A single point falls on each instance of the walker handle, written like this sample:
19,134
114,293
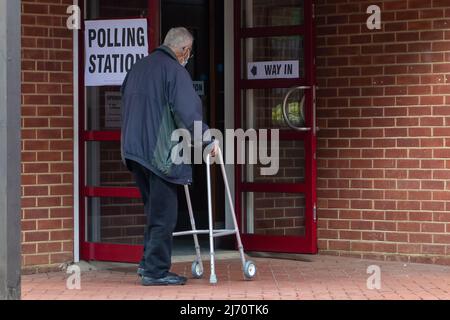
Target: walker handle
211,146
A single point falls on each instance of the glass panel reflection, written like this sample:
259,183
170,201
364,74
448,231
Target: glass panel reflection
107,9
291,165
105,167
116,221
263,108
270,13
277,214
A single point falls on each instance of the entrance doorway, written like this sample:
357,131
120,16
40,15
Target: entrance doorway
205,23
111,211
276,214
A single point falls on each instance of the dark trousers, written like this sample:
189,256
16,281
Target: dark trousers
161,207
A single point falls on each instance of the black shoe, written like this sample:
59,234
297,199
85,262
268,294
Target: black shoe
169,280
141,271
176,275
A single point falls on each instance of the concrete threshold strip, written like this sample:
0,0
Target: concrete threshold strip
132,267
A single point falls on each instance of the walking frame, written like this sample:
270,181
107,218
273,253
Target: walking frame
249,267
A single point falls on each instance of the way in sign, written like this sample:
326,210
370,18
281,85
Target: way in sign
276,69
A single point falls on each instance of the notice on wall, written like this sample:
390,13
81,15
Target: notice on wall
112,48
113,110
273,70
199,87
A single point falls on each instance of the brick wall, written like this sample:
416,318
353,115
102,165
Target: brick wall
384,156
384,144
47,134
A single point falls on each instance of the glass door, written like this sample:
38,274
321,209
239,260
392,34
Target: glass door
111,212
275,89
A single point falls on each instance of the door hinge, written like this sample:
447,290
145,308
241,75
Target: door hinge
315,213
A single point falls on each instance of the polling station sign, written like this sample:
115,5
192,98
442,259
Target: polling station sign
112,48
199,87
273,70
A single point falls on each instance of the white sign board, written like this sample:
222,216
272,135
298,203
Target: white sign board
273,70
199,87
113,110
112,48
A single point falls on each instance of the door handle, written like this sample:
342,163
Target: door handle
285,111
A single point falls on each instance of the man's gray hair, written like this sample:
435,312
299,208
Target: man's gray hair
178,38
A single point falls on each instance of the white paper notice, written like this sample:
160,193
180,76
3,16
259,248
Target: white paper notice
273,70
113,110
112,48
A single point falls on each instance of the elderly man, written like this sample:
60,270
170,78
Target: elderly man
158,97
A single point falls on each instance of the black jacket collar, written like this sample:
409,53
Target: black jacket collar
167,51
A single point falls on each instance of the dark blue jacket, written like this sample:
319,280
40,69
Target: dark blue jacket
158,97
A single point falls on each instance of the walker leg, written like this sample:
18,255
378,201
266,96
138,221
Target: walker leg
194,228
230,201
213,278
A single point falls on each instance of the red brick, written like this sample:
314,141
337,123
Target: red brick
35,191
385,247
420,238
397,237
350,235
49,202
28,248
49,224
36,236
339,245
28,225
433,227
409,248
385,226
56,258
61,212
361,246
61,235
35,260
61,190
49,247
361,225
441,238
409,226
433,249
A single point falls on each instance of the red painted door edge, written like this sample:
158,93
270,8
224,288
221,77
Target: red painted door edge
100,251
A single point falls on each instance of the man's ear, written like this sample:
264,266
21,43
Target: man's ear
179,56
185,52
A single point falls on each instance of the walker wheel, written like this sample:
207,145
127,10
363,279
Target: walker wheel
250,270
197,270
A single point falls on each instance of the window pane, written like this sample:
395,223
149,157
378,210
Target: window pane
106,9
104,107
105,167
273,49
263,108
279,214
291,166
115,220
269,13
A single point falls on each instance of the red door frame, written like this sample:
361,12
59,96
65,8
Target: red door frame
101,251
287,244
